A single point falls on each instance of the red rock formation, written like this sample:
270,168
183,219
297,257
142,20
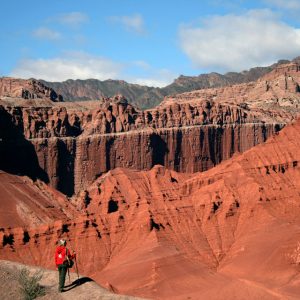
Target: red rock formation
117,116
29,204
80,145
160,234
26,89
73,144
186,150
276,94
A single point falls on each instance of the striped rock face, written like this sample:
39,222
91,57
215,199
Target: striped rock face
161,204
160,234
72,144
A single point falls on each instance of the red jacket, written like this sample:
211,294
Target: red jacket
61,253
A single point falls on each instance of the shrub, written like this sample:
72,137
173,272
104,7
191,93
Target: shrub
29,285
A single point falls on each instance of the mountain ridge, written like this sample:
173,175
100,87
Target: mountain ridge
148,97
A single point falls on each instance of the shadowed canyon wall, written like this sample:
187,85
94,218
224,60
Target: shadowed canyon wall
235,225
226,233
69,145
69,148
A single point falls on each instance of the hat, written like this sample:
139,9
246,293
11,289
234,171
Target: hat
62,242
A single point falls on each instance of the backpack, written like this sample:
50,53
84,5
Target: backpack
69,263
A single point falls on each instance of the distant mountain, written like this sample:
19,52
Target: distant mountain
147,97
93,89
190,83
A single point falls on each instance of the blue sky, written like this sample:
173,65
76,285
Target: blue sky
145,42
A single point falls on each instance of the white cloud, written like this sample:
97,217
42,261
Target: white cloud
79,65
72,19
46,34
155,78
134,23
70,66
153,82
142,64
237,42
285,4
145,74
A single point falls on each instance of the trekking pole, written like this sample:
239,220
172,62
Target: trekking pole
76,266
69,275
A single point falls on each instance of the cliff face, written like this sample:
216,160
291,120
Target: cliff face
232,230
184,150
70,148
116,116
70,145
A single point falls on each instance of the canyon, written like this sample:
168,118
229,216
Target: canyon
197,198
69,145
232,230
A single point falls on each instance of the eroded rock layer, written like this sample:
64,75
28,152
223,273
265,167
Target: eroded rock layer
159,234
275,94
26,89
70,145
69,149
27,204
184,150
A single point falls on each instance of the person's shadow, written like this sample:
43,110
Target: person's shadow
76,283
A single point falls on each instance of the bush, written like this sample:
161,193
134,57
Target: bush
29,285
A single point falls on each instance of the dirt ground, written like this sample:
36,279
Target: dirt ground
83,288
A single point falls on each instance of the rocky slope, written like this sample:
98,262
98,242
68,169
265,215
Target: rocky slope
213,80
230,232
93,89
148,97
275,93
26,89
25,203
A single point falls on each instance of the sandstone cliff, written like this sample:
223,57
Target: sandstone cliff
232,230
69,145
70,148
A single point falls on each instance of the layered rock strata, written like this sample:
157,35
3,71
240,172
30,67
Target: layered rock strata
71,148
159,234
26,89
25,203
73,144
276,93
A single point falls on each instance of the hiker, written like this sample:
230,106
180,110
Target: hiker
63,261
